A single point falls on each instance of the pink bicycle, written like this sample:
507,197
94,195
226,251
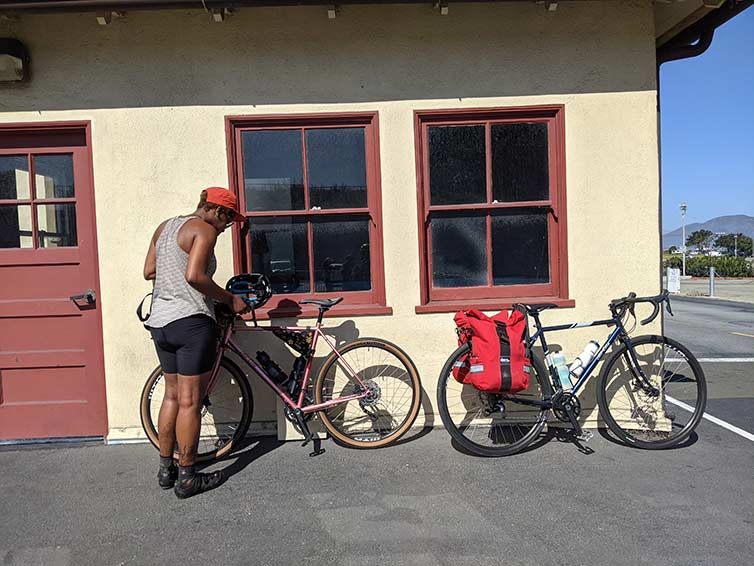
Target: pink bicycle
367,392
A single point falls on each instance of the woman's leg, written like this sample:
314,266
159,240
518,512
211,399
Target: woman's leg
167,473
195,360
168,414
188,420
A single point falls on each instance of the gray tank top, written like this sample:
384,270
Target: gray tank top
173,298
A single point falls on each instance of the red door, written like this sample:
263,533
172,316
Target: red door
51,362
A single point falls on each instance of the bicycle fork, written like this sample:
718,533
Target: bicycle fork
633,363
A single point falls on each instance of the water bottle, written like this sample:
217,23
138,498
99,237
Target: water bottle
296,374
272,369
583,359
558,362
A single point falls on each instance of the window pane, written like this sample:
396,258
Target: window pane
56,225
272,170
457,165
336,167
53,176
279,250
14,177
520,162
459,251
520,248
15,226
341,254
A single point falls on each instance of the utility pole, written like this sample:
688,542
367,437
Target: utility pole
683,231
735,243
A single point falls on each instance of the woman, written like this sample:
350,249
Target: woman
181,261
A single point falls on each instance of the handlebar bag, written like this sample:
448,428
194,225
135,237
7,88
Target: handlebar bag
498,361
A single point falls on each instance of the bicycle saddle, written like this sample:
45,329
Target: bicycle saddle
322,303
539,307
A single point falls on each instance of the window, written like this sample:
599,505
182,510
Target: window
491,207
310,189
37,201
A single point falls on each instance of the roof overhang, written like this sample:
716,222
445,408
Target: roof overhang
672,17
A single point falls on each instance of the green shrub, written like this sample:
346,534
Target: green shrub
698,266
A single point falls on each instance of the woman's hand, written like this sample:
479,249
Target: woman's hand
239,306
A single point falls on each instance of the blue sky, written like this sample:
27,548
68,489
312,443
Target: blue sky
707,120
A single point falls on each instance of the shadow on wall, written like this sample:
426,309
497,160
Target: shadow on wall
369,53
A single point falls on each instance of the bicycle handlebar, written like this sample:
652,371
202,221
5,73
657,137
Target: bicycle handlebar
619,306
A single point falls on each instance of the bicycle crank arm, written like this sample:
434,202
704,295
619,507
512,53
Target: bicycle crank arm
303,427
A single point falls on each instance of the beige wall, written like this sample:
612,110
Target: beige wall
157,86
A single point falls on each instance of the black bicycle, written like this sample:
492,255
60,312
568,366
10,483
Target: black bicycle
651,391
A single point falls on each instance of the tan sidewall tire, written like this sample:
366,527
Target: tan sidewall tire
150,428
401,355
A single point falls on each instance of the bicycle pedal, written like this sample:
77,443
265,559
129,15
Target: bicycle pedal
585,436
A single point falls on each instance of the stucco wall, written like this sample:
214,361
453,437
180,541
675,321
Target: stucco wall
157,86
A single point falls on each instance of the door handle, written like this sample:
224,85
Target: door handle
89,296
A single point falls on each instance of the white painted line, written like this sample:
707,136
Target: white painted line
722,423
718,360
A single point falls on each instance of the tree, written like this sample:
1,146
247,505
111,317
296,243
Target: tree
728,241
700,238
673,250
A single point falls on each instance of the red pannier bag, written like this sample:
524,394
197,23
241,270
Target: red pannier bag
498,361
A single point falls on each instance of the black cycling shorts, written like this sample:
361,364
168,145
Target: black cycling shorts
187,346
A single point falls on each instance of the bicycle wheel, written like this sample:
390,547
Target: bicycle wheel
489,424
225,417
636,416
392,405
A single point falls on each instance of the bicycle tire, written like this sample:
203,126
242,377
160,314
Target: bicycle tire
149,411
372,437
647,430
466,435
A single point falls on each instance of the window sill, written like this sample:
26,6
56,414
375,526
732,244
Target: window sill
338,311
487,304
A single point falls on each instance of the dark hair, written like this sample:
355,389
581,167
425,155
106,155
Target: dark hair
223,211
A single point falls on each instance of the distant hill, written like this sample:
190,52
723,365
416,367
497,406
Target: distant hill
722,224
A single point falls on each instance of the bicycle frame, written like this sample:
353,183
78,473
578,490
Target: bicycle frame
618,334
228,344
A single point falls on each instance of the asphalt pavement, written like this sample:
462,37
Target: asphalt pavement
422,502
721,335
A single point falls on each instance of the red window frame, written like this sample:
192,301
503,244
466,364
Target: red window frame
369,302
436,299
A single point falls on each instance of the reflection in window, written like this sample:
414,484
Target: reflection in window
336,167
15,226
56,225
273,170
519,248
459,253
279,250
53,176
320,169
341,255
14,177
